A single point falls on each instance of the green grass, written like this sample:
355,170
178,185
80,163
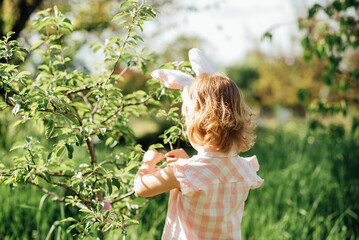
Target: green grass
26,213
311,191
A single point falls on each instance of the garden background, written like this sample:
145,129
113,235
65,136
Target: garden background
302,81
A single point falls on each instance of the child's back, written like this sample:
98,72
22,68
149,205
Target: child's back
210,204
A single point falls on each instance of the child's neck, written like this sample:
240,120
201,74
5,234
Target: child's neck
211,148
208,148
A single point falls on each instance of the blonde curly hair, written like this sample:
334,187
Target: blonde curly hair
216,114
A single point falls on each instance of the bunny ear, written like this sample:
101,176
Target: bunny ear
172,78
200,63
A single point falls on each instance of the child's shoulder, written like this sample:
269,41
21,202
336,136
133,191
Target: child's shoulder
216,169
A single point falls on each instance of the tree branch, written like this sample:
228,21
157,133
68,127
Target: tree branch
51,194
123,197
59,174
85,201
55,198
114,67
126,105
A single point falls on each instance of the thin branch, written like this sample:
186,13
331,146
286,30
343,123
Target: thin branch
5,174
91,150
112,115
85,99
62,113
126,105
77,115
140,102
32,156
59,174
85,201
92,113
105,162
55,198
93,109
123,197
51,194
68,93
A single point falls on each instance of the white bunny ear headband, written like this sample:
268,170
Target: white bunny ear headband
176,79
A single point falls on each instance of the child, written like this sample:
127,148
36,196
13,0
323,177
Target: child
207,191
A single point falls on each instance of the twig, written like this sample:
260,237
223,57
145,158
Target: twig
105,162
126,105
92,113
53,196
85,99
86,202
123,197
68,93
59,174
93,109
32,156
91,150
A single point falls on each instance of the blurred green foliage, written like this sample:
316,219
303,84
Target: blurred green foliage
331,34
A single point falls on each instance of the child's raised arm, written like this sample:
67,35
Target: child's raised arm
148,181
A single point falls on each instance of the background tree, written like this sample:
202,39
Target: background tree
331,34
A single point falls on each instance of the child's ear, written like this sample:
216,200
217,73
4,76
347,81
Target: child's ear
174,79
200,64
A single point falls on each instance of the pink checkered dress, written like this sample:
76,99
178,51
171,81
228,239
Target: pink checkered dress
210,204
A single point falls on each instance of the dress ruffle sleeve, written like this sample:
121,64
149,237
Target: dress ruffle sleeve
180,169
254,180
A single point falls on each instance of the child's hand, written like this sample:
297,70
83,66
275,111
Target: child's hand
152,157
174,155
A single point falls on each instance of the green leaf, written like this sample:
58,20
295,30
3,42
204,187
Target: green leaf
126,4
24,73
49,128
16,147
69,219
109,186
19,55
85,210
79,139
155,146
62,89
36,180
68,230
16,109
313,10
72,119
267,35
116,183
36,45
70,150
105,215
47,175
120,15
60,151
10,68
